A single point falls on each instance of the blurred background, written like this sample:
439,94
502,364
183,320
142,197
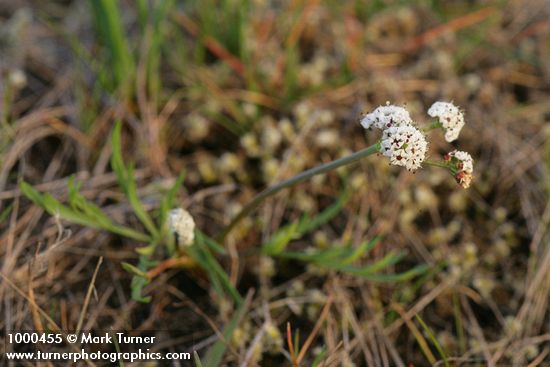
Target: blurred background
243,94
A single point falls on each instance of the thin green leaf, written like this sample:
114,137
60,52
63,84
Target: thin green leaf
434,340
281,239
117,164
390,259
167,201
297,342
146,250
130,233
223,277
198,362
319,257
400,277
95,214
210,242
133,270
126,180
215,354
199,256
110,28
73,190
31,193
360,251
143,11
139,280
319,358
6,212
90,210
74,215
323,217
136,204
160,14
54,207
137,285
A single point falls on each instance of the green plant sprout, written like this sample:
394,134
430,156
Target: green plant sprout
83,212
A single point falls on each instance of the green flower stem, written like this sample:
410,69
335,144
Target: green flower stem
441,164
295,180
434,125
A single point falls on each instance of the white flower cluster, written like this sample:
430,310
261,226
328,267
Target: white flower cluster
181,223
450,117
464,167
387,116
405,146
403,143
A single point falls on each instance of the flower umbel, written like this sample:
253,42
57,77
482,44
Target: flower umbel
450,118
181,223
462,167
405,146
401,141
384,117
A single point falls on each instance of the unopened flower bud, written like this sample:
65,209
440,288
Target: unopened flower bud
181,223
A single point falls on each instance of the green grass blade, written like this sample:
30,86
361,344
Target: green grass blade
74,215
215,354
434,340
326,215
390,259
167,201
361,250
136,204
215,270
81,204
198,362
126,180
160,16
139,280
6,212
133,270
111,31
130,233
325,257
117,164
400,277
198,255
280,240
54,207
296,342
213,245
143,11
31,193
319,358
137,285
223,277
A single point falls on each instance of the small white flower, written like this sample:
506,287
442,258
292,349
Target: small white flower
384,117
464,158
464,167
181,223
450,118
405,146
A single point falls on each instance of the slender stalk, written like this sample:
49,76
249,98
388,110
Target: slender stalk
257,200
434,125
441,164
